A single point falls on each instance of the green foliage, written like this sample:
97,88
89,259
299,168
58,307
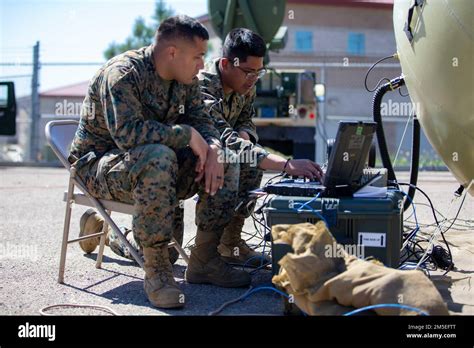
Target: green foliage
142,34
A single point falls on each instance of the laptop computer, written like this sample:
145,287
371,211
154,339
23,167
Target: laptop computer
347,159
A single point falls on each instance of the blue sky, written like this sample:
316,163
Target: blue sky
70,31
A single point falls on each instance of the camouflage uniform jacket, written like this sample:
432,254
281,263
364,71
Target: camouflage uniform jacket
128,104
230,115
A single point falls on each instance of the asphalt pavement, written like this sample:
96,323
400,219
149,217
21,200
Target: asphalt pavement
31,223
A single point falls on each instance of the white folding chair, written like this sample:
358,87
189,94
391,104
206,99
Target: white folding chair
59,135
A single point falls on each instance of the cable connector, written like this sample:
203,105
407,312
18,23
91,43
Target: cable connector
397,82
459,191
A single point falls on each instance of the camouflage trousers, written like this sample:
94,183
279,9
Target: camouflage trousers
154,178
249,179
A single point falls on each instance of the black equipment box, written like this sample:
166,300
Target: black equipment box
373,225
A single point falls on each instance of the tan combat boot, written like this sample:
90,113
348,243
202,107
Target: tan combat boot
90,223
159,283
233,249
206,267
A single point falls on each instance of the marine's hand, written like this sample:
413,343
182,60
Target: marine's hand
306,168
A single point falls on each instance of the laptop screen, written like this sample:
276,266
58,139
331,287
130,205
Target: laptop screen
349,155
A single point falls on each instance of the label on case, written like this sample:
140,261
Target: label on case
372,239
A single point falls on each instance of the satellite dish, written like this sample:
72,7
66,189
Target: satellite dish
262,17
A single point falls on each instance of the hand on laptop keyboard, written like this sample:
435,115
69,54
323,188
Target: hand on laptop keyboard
305,168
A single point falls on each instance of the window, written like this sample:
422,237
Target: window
356,44
304,41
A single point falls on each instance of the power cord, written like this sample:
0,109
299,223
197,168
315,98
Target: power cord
395,55
43,310
450,256
249,292
387,305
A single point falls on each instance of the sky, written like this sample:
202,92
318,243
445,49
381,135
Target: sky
69,31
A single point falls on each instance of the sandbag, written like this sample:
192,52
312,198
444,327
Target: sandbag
324,281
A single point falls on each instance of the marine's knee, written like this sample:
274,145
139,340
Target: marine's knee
158,156
154,163
231,176
250,175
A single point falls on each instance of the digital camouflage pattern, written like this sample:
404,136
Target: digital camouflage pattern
237,110
128,104
131,146
231,115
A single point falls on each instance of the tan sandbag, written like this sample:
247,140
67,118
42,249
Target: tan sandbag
365,283
307,268
335,283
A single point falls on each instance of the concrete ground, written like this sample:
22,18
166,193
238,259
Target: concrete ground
31,221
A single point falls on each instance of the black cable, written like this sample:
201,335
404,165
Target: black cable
426,196
274,177
457,214
415,161
438,256
403,95
467,226
393,84
371,68
411,251
437,223
383,148
255,220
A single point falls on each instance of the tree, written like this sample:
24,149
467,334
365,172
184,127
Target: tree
142,34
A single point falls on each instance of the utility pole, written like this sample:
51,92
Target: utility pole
35,105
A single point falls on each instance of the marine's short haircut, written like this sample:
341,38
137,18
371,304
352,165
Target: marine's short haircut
241,43
180,26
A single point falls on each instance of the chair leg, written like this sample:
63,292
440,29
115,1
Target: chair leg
180,250
102,242
67,223
114,227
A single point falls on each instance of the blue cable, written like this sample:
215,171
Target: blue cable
254,290
300,209
310,201
382,305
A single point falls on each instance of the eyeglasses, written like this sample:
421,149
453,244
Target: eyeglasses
251,75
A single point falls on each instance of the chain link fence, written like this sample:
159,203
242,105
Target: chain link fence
345,99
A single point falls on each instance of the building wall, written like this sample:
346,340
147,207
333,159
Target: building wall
333,31
61,105
50,108
330,27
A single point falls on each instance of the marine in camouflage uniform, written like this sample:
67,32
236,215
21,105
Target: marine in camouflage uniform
232,114
132,146
229,87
